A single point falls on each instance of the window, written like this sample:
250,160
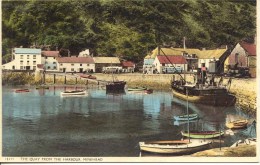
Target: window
28,56
34,56
54,62
87,64
21,62
21,67
163,64
72,64
49,67
54,67
80,64
27,62
72,69
34,62
45,57
54,58
60,64
34,67
236,58
21,56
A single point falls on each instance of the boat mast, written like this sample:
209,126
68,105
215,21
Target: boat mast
159,49
188,114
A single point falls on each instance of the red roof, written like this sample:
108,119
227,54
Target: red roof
250,48
51,53
128,64
172,59
75,60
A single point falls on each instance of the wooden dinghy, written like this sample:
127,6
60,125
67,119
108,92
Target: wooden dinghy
174,147
137,89
203,134
148,91
74,93
88,76
238,124
21,90
186,117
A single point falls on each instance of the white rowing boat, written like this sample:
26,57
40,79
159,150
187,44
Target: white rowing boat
73,93
175,146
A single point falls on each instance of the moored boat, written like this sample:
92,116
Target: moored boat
174,147
186,117
209,95
88,76
137,89
238,124
204,90
202,134
148,91
115,86
21,90
73,93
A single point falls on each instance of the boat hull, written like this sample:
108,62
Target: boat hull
208,99
185,117
71,94
203,135
137,89
174,149
21,90
237,124
116,86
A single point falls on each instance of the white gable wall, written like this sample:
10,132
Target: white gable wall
24,62
75,67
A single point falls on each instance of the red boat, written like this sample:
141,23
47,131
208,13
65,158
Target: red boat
87,76
21,90
148,91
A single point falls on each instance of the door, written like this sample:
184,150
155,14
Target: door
80,70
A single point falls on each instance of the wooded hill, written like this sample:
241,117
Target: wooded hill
123,28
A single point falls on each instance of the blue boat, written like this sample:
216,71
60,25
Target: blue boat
185,117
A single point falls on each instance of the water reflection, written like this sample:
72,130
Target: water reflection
41,123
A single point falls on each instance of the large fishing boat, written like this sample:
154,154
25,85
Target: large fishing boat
209,93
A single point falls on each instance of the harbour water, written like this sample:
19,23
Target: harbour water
41,123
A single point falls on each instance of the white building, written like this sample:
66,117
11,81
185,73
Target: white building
169,64
102,62
50,60
24,59
76,64
84,53
207,56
